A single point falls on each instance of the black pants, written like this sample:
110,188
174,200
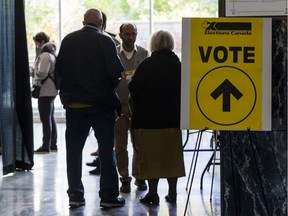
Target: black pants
78,124
46,112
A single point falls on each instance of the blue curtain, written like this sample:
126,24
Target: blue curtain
16,120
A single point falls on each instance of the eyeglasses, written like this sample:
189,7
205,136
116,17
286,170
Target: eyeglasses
128,34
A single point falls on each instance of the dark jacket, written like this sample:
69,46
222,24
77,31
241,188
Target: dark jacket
89,68
155,92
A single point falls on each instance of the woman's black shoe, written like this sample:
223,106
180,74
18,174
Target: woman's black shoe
171,198
152,199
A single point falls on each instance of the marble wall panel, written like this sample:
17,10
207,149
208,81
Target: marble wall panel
254,164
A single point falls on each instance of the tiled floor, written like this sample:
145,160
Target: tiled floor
42,191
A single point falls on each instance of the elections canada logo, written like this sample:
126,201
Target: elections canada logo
227,28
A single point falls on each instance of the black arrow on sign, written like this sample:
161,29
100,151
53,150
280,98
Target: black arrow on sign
227,89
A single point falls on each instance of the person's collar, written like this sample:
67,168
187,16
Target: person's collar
122,49
90,26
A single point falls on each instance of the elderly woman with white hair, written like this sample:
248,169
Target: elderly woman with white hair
155,93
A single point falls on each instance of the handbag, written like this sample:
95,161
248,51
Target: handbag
35,91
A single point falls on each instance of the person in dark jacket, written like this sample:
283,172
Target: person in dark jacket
155,93
95,163
90,69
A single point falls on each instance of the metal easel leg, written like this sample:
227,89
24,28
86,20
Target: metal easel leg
193,157
205,169
187,138
197,145
214,162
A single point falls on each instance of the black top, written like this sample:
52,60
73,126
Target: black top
89,68
155,91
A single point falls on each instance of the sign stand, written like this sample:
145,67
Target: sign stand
196,149
187,139
213,157
193,165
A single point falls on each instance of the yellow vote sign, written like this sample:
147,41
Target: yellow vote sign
226,73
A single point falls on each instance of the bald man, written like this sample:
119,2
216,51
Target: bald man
90,70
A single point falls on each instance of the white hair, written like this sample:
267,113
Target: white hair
162,39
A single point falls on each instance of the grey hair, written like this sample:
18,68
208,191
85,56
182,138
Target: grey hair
162,39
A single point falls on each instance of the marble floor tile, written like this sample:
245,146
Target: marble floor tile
42,191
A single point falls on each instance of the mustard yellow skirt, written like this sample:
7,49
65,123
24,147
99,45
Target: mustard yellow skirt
160,153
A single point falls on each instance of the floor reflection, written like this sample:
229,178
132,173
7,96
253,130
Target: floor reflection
42,191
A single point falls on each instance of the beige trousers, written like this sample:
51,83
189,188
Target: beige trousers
122,129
